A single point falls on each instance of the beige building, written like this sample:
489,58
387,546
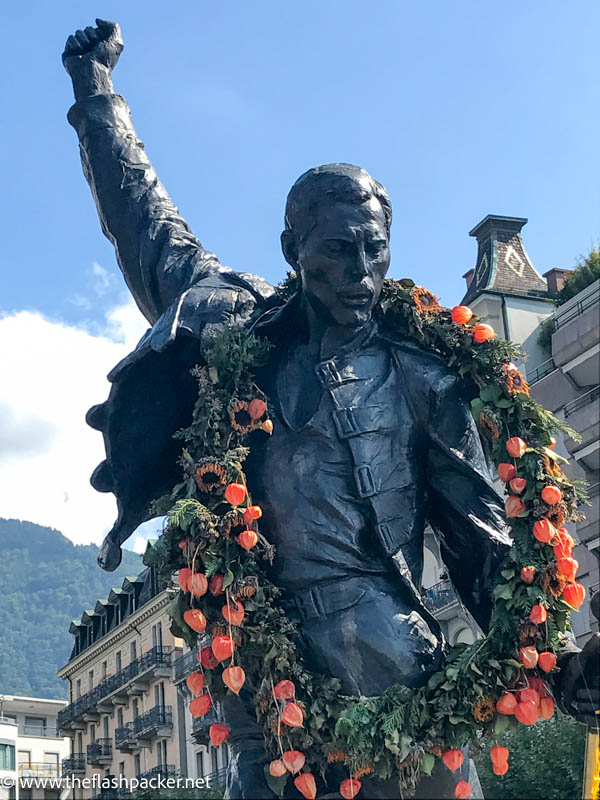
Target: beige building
126,716
31,747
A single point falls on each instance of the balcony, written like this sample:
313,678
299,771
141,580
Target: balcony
200,726
156,722
73,765
216,780
550,386
38,769
440,598
184,665
587,529
164,771
575,336
49,731
125,738
99,752
133,679
583,414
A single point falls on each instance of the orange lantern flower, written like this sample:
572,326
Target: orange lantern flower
461,314
528,656
527,713
499,756
207,658
516,446
293,716
506,704
529,696
528,574
538,614
462,790
568,566
546,707
195,683
234,678
218,733
233,615
223,647
215,584
182,545
267,426
183,579
453,759
514,506
256,408
277,768
200,705
235,493
518,485
551,495
565,545
247,539
294,760
251,513
350,788
547,661
483,333
306,785
538,684
506,471
284,690
195,619
574,595
544,531
198,584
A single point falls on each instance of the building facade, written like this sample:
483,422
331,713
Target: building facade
31,746
126,715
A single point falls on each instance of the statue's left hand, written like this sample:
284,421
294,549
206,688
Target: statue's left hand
579,684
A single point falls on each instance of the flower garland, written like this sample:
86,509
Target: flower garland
227,605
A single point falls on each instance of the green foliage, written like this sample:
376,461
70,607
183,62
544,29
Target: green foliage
586,272
544,337
46,582
546,762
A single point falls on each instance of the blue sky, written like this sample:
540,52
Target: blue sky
460,108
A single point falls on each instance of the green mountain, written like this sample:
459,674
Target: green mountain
45,582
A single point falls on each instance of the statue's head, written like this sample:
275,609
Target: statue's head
336,237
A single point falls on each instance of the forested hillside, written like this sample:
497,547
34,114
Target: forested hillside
45,581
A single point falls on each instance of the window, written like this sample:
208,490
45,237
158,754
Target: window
9,717
118,666
51,763
80,742
7,756
133,651
121,768
159,694
35,726
135,707
214,759
157,635
137,767
78,689
92,733
120,723
105,723
200,773
90,680
161,750
24,758
104,670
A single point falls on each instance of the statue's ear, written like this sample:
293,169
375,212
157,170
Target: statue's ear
290,248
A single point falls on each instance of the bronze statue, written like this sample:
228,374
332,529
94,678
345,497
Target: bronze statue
373,437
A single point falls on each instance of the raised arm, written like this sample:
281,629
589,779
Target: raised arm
159,256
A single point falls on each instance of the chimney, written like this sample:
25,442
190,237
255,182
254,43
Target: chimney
468,276
556,279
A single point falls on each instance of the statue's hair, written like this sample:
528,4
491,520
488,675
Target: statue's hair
329,184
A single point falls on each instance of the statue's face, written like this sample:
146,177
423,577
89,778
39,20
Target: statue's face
344,259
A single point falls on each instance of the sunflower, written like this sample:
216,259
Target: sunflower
336,757
484,710
556,514
232,523
553,581
528,633
425,301
360,773
515,382
241,421
489,424
210,475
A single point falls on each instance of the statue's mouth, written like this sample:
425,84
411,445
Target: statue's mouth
355,298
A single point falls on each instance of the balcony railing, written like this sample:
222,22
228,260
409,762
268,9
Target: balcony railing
440,596
125,736
163,771
38,769
75,763
580,402
38,730
156,657
185,664
545,368
157,717
99,750
215,780
560,320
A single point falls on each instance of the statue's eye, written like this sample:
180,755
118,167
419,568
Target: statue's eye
335,247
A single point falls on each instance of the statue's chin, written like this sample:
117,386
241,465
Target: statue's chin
109,556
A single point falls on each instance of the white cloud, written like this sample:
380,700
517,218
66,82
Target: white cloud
51,373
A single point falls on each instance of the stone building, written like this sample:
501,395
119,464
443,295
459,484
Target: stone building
505,289
126,715
31,746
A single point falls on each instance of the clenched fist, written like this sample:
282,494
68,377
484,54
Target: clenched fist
91,55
